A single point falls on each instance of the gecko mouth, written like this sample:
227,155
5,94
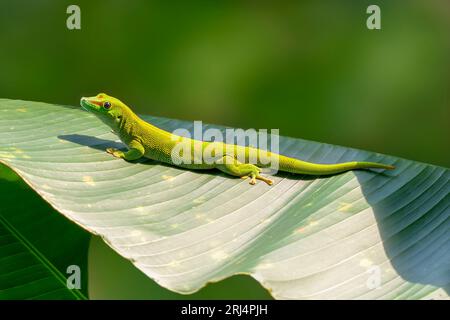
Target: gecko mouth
87,105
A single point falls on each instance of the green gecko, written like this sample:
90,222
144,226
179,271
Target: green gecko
146,140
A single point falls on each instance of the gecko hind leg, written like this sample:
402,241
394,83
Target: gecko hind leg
233,167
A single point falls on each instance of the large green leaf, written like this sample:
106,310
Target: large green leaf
106,274
304,237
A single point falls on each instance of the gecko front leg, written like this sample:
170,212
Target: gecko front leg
136,151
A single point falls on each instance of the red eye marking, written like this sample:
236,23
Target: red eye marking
99,103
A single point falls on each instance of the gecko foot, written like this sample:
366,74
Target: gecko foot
266,180
258,177
116,153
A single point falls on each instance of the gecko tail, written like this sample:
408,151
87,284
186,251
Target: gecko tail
302,167
373,165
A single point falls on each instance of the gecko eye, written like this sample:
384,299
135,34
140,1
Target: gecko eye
107,105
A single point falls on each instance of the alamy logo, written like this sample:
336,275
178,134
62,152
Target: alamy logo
374,20
74,279
73,21
374,279
223,147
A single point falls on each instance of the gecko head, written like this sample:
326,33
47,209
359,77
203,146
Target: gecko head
109,109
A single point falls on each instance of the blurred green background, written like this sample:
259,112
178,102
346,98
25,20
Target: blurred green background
310,68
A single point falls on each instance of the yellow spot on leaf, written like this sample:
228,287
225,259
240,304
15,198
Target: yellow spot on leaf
16,150
142,211
135,233
174,263
300,230
214,243
266,265
303,229
365,262
174,225
199,200
186,287
219,255
89,180
7,155
344,206
46,186
21,110
267,220
13,152
168,178
200,216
